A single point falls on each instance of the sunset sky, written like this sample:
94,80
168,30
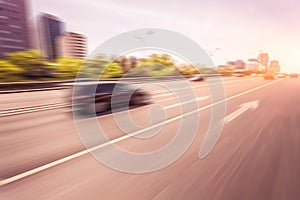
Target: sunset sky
239,28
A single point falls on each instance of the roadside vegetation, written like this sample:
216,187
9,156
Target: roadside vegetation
31,66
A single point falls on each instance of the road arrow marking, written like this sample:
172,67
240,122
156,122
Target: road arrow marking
253,105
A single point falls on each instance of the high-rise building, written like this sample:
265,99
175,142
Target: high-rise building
254,65
263,58
274,66
49,27
72,44
13,26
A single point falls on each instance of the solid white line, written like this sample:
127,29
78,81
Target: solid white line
31,110
173,98
162,95
187,102
205,84
84,152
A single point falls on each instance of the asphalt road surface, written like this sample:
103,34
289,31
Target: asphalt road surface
256,156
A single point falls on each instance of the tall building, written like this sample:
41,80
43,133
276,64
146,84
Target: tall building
254,65
274,66
13,26
263,58
72,44
49,27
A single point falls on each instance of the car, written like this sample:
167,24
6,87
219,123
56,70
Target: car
281,75
294,75
90,98
269,76
238,75
197,77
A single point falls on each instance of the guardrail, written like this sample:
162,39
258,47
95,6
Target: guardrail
17,87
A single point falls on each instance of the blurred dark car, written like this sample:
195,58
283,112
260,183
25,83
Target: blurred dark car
108,95
294,75
269,76
197,77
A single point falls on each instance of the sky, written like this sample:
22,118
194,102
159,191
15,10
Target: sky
239,29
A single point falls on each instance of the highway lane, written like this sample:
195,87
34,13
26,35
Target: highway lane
35,139
48,97
189,178
29,99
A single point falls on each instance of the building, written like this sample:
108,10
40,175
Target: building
72,44
263,58
274,66
238,64
254,65
13,26
49,28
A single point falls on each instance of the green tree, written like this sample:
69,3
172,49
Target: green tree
30,60
95,67
154,65
163,59
112,70
67,67
10,72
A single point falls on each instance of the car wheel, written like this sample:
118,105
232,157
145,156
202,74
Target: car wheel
99,107
138,100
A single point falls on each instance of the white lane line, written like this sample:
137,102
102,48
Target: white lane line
84,152
168,99
204,84
19,111
163,95
187,102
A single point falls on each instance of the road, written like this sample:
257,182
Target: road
256,157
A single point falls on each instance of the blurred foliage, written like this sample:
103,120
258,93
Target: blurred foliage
112,70
66,67
154,65
226,71
9,72
31,66
95,67
30,60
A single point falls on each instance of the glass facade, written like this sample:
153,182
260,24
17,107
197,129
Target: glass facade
50,28
13,26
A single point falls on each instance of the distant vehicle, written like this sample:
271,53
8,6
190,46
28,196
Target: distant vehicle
294,75
238,75
269,76
118,94
197,77
281,75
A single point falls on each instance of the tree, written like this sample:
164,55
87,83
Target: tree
154,65
10,72
67,67
95,67
30,60
112,70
